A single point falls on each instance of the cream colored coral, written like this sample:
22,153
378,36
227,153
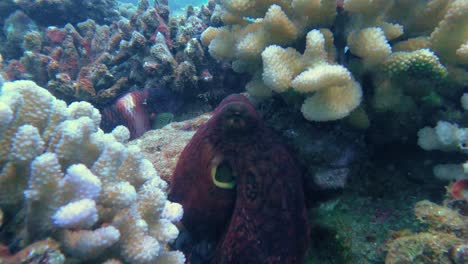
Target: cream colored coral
252,45
332,103
392,31
209,34
311,13
321,77
245,39
171,257
451,33
412,44
422,16
365,7
370,44
275,28
279,26
223,45
267,29
462,53
238,6
307,8
315,48
336,93
280,66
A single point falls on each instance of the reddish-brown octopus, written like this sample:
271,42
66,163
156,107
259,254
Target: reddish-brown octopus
240,186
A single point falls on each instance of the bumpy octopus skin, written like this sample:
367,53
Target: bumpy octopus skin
263,218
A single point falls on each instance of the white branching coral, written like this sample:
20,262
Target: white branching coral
110,200
446,136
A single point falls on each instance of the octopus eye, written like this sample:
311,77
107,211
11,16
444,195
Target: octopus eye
223,176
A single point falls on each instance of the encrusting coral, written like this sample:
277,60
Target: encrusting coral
444,242
75,183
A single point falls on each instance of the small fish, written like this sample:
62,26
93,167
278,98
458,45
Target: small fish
130,111
162,120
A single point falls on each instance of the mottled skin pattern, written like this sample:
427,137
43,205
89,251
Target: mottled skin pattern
261,220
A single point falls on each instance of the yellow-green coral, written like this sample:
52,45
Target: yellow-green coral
448,230
422,248
422,63
79,184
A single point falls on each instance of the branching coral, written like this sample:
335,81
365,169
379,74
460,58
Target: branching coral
79,184
86,60
258,46
450,36
449,137
336,93
261,37
446,136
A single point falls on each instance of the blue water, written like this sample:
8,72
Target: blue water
174,5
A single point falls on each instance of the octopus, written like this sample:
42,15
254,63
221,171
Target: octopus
241,187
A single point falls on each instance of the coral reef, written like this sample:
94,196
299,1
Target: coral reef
381,70
398,56
141,49
262,219
444,242
325,51
257,46
79,185
92,62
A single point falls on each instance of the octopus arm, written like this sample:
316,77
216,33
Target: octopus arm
269,222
